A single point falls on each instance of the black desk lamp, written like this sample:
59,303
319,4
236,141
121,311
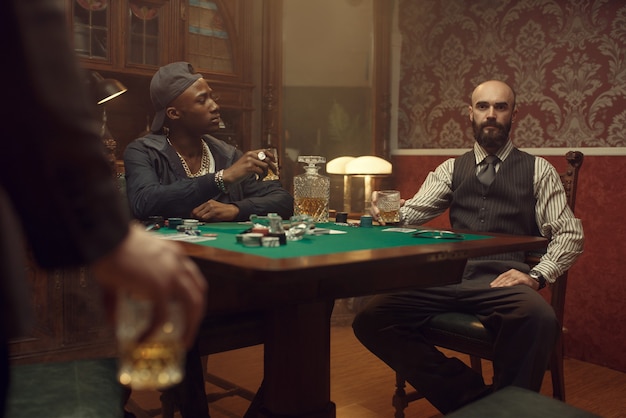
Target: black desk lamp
105,89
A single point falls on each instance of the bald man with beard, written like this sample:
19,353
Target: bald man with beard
493,188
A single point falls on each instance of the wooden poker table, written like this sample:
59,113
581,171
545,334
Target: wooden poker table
296,284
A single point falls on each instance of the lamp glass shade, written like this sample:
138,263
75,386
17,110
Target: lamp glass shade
338,165
368,165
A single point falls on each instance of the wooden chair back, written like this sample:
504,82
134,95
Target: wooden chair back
570,182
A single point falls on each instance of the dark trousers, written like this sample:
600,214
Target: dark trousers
523,323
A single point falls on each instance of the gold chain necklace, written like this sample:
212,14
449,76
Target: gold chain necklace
204,164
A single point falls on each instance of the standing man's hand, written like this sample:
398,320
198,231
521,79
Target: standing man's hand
158,270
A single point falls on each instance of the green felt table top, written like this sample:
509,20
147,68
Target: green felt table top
350,238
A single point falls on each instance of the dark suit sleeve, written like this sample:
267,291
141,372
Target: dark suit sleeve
53,165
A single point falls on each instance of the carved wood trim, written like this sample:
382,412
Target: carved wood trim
272,75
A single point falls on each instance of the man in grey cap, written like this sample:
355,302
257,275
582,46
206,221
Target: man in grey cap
179,170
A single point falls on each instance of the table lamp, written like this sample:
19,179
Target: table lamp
368,166
105,89
338,166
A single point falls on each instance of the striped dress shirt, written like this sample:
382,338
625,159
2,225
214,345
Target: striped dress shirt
554,218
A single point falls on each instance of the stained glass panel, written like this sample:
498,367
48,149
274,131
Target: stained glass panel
209,41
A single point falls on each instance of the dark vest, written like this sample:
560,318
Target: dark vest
506,206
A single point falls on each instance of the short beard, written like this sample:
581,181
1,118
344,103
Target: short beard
491,139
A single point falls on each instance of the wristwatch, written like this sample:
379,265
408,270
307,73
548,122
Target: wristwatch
538,277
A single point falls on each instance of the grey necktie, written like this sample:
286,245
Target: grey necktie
488,172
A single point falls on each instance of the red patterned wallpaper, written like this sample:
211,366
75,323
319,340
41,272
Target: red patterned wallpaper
566,59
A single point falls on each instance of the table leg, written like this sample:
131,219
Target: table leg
297,362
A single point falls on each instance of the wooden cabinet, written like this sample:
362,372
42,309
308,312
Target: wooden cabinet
131,39
140,35
128,40
69,320
133,36
216,39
